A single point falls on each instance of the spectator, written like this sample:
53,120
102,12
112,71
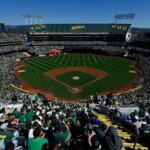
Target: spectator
95,144
60,136
7,136
31,130
29,115
136,122
14,98
111,140
38,142
16,113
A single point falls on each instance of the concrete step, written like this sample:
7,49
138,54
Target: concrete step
127,141
138,146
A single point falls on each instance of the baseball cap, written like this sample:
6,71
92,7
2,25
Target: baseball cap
136,117
35,124
66,120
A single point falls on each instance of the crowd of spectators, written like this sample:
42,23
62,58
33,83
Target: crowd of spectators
8,63
139,37
56,125
11,48
111,49
10,37
11,42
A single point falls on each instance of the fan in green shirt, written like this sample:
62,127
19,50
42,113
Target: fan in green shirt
29,116
22,118
16,113
36,98
38,142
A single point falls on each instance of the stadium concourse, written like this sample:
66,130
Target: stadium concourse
69,125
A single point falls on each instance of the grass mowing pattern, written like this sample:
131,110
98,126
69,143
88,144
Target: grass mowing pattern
117,68
83,78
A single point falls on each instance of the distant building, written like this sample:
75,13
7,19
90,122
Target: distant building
2,27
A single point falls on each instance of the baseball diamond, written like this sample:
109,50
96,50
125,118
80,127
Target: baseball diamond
76,76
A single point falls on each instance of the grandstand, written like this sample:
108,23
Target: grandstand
71,37
138,39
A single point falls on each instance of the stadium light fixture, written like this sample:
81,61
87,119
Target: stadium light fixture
32,17
41,18
124,16
25,17
38,19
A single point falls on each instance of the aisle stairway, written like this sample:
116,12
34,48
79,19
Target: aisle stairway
128,143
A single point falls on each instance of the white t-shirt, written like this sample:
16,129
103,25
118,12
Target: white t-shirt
30,134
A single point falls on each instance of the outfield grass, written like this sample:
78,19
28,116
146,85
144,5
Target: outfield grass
117,68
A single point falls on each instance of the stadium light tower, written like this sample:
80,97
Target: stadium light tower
36,19
128,16
25,17
41,18
30,17
33,18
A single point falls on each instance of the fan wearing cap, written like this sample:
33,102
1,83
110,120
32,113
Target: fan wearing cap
137,122
7,136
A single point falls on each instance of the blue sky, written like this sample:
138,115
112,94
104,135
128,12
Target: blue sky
75,11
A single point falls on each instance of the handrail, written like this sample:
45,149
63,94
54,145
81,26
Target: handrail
133,134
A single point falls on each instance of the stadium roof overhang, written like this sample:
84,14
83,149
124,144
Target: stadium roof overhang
49,34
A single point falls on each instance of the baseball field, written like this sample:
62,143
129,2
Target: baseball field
76,76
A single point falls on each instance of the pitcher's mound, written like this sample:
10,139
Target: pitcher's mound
75,78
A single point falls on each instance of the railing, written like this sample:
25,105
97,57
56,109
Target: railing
135,135
106,111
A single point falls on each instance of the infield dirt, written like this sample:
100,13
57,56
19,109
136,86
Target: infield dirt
53,73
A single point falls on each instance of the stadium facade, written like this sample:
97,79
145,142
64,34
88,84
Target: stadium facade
71,37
